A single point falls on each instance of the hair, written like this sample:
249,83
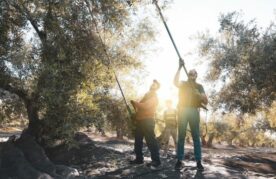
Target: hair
192,71
156,82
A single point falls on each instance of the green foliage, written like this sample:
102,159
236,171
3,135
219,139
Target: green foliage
11,108
271,116
242,130
63,73
244,58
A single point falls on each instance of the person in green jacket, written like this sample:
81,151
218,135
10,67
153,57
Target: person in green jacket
191,98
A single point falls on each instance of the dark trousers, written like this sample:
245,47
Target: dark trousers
145,128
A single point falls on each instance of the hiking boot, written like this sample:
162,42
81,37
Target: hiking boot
154,165
179,165
136,162
199,166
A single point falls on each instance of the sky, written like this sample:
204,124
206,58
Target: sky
185,19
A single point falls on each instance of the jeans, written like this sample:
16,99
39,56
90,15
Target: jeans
145,128
188,115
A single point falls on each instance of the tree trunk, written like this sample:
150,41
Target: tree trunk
119,133
29,101
210,140
203,140
34,127
230,141
24,158
253,144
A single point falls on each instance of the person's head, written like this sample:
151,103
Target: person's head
168,103
192,75
155,85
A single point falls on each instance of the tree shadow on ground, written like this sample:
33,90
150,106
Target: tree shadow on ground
104,159
253,163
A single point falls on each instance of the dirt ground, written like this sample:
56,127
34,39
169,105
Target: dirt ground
105,157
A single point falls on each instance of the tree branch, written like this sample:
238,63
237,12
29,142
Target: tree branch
5,84
23,10
40,33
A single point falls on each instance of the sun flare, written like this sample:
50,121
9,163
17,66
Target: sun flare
168,93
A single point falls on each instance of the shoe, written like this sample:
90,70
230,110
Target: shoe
199,166
154,165
136,162
179,165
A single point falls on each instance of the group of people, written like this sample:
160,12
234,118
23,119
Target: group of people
191,98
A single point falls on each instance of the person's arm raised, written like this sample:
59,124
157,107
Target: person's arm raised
176,77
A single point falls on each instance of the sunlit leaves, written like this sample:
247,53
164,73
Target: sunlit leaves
243,58
65,70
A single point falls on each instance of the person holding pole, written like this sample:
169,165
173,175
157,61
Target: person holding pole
191,98
145,113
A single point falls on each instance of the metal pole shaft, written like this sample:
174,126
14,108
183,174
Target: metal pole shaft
170,35
128,108
106,54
